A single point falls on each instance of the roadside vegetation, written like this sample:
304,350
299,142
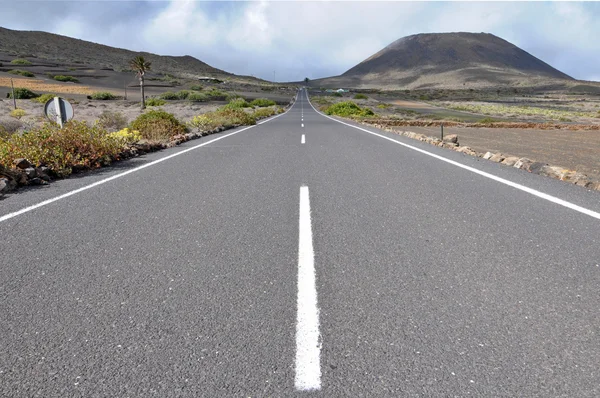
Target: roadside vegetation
155,102
103,96
76,145
348,109
262,102
20,61
156,125
238,112
112,120
63,78
205,96
23,93
18,113
21,73
80,146
42,99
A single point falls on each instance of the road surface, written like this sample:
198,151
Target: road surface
301,257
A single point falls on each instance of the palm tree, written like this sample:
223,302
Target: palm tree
140,66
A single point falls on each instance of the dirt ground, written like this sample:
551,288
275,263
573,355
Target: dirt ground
575,150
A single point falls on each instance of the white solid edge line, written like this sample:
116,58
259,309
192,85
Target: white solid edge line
66,195
308,344
531,191
303,139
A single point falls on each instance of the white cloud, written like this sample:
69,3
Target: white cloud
181,23
315,39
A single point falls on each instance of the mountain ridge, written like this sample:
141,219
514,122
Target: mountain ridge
429,60
68,50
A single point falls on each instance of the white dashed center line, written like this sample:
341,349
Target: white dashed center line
303,140
308,344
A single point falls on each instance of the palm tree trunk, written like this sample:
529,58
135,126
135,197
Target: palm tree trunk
142,91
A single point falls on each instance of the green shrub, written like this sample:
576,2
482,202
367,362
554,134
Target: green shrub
112,120
155,102
360,96
21,72
20,61
18,113
348,108
158,125
183,94
424,97
169,95
23,93
262,102
103,96
218,95
223,117
196,87
487,120
337,94
383,106
237,103
62,78
42,99
266,112
198,97
76,145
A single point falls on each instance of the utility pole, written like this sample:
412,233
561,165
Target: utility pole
273,76
13,93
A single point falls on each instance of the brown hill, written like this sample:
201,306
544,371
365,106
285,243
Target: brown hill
67,51
448,60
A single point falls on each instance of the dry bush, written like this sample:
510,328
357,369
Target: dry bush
9,126
112,120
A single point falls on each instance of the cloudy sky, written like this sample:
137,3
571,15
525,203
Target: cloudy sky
290,40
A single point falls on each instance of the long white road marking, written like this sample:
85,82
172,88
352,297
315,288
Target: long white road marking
302,124
71,193
523,188
303,140
308,344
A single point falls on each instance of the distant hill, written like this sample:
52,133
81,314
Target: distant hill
69,51
452,60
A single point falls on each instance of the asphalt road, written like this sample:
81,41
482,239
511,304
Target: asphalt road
181,278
